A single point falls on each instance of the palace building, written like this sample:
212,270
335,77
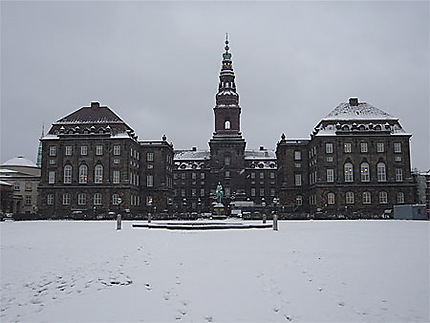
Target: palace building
356,161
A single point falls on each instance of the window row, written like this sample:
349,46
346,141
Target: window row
363,147
365,173
366,198
83,150
98,175
84,198
183,175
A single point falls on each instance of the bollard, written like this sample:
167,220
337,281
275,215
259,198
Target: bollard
275,222
118,222
149,217
264,218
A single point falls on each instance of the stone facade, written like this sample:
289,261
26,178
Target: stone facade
356,162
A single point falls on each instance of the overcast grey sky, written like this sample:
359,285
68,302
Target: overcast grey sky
156,64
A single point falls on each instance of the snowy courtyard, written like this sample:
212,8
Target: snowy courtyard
313,271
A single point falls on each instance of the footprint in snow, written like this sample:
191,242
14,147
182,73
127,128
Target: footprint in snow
148,286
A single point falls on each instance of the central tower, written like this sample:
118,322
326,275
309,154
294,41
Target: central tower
227,146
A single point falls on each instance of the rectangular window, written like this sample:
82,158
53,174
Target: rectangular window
272,192
397,147
51,177
261,191
367,198
297,155
193,175
16,186
116,150
330,175
116,161
50,199
149,180
400,198
227,161
330,198
66,199
299,200
253,191
399,175
252,175
28,186
193,192
98,199
349,198
116,176
380,147
202,175
272,175
82,199
261,175
329,159
84,150
68,151
183,176
150,157
227,174
329,148
363,147
202,192
347,147
183,192
298,179
99,150
28,200
52,151
383,197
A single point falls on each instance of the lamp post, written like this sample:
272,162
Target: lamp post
263,204
275,214
184,203
199,206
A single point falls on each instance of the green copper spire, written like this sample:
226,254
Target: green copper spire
226,55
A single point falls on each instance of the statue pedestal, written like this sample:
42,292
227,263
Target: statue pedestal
219,209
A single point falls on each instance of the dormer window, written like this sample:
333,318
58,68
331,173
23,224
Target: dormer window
227,125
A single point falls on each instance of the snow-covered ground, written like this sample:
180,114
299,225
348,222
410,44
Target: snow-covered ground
333,271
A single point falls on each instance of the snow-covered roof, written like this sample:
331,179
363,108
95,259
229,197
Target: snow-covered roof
260,154
5,183
359,111
19,161
192,155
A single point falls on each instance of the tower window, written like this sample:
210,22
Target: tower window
227,125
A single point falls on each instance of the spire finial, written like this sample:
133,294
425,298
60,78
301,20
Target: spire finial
226,55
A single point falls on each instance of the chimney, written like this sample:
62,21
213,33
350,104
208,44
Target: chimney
261,147
353,101
194,148
95,105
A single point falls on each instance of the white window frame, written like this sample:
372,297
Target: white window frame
149,180
331,198
380,147
397,147
400,198
383,197
150,156
348,172
97,199
399,175
347,147
365,172
381,172
51,177
99,150
98,174
52,151
67,172
50,199
82,199
116,177
68,150
349,198
298,179
84,150
297,155
115,199
330,175
117,150
66,198
367,198
83,174
329,148
299,200
363,147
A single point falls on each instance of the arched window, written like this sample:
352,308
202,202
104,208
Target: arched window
349,172
367,198
83,174
115,199
67,174
98,174
349,198
98,199
383,197
330,198
381,172
227,125
365,172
